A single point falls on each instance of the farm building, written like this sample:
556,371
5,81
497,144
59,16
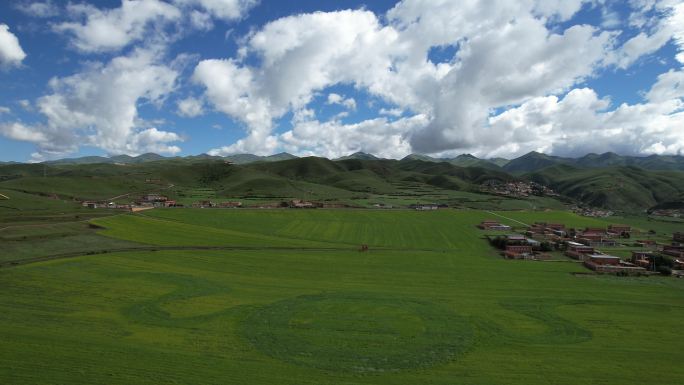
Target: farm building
645,259
620,230
595,240
594,230
493,225
515,246
226,205
610,264
518,251
678,238
603,259
426,206
650,243
4,197
674,250
578,251
204,204
155,198
92,205
524,252
301,204
515,239
547,230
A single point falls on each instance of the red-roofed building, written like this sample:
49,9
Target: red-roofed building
518,251
610,264
578,251
620,229
493,225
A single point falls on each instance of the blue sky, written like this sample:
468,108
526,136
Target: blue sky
183,77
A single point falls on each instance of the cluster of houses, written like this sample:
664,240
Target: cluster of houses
592,212
146,201
674,213
582,244
301,204
521,247
427,206
590,236
605,263
676,249
516,189
156,200
207,204
102,205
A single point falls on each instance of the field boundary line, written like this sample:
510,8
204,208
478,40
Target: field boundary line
152,248
59,223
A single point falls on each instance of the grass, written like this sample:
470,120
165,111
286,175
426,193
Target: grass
430,303
25,242
371,333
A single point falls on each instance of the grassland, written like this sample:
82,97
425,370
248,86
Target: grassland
429,303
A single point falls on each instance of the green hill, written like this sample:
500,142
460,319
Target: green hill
620,188
535,161
532,161
411,179
358,155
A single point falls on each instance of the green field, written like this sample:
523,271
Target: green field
287,298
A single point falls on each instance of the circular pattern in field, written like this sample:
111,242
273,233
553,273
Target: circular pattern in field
358,332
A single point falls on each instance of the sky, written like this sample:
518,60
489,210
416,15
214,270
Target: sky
494,78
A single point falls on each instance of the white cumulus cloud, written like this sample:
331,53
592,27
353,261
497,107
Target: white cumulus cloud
99,107
333,139
190,107
226,10
42,9
11,53
348,103
97,30
581,122
506,55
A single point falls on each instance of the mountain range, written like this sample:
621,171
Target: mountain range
530,162
607,180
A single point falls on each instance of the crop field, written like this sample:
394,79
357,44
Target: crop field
286,297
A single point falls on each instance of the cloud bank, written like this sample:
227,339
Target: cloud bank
492,78
506,57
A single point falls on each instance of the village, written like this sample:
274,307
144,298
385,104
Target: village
673,213
156,200
517,189
591,212
540,241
